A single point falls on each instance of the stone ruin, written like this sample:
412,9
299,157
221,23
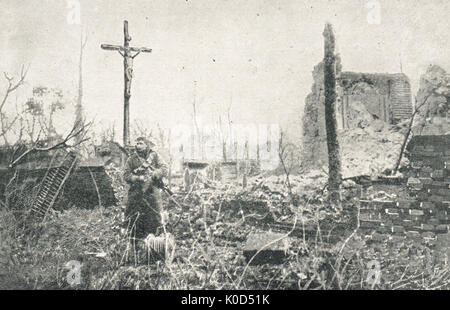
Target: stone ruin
364,99
434,117
423,213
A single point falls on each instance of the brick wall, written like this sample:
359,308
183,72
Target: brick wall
425,214
401,98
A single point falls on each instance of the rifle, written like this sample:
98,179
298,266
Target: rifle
158,182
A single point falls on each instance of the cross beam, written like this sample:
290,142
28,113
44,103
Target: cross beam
126,52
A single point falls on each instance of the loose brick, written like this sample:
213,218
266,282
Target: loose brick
398,221
397,229
428,153
388,222
379,237
377,205
416,187
427,169
437,174
376,216
441,228
440,184
429,187
383,229
423,196
393,217
368,215
364,216
428,227
422,174
413,234
397,238
414,218
435,198
405,204
381,204
444,192
442,215
408,223
431,161
427,205
392,210
428,235
426,180
413,181
438,164
416,212
433,221
369,224
364,203
417,164
417,227
411,173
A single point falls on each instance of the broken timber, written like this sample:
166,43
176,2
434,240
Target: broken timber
52,184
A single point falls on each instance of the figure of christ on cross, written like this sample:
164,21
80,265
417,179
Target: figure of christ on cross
126,52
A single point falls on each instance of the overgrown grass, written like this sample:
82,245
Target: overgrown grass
209,242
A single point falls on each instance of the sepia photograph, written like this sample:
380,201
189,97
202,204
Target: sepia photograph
224,145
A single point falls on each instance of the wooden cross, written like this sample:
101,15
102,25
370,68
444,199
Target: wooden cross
126,52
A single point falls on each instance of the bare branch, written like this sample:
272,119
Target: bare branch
11,86
405,140
83,43
62,144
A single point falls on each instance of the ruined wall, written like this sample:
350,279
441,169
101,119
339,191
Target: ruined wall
424,214
393,90
366,102
434,117
314,134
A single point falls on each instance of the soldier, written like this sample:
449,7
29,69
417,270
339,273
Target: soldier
143,170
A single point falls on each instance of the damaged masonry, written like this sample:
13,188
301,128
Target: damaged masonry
258,147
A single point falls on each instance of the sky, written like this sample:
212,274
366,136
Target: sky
253,57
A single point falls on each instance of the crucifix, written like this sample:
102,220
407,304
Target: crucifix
126,52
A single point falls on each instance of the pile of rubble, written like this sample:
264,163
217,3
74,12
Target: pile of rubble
370,150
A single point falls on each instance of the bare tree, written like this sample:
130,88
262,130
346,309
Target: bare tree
140,130
408,132
109,133
79,117
74,134
223,139
289,156
334,160
7,124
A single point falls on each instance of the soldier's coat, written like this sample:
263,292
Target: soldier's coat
143,208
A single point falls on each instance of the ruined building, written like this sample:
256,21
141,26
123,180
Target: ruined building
385,96
363,99
433,118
